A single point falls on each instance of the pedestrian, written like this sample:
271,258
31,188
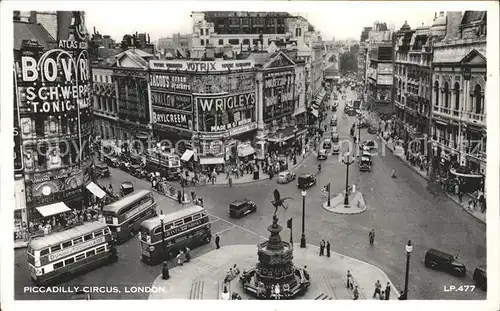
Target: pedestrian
217,241
387,291
349,279
382,295
193,195
356,293
231,181
322,248
328,249
188,254
201,201
179,197
378,286
371,235
181,258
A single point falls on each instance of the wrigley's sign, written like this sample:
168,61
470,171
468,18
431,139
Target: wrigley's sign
201,66
225,102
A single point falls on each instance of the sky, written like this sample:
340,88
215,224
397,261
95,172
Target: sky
342,19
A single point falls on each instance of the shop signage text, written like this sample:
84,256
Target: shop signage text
223,127
225,102
172,119
183,228
170,82
201,66
56,82
172,101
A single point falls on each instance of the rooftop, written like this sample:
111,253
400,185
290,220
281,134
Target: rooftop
29,31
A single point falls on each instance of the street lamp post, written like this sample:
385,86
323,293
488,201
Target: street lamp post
160,150
347,162
408,249
359,129
165,272
303,237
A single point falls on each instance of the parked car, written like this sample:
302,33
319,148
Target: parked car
101,169
306,181
327,144
445,262
240,208
336,148
322,154
479,277
286,177
372,130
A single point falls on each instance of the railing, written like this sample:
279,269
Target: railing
475,116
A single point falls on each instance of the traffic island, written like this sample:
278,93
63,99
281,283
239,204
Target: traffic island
203,277
356,204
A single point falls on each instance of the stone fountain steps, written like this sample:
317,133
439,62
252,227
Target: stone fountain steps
197,289
323,296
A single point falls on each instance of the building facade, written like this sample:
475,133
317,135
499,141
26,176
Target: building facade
106,120
458,98
413,87
362,53
53,119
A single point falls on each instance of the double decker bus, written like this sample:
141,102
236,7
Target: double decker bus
124,217
168,162
188,227
58,256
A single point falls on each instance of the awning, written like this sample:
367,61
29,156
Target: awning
187,155
96,190
206,161
464,173
315,112
53,209
299,111
246,151
141,136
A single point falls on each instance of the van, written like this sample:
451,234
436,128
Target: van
327,144
306,181
240,208
439,260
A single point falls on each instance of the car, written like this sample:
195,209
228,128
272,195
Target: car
286,177
126,187
479,277
372,130
439,260
335,129
322,154
333,122
335,137
240,208
306,181
369,144
327,144
335,149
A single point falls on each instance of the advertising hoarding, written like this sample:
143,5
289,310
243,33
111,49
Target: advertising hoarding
201,66
172,101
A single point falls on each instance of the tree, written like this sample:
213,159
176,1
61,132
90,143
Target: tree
348,62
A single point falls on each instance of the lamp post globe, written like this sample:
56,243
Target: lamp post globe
408,249
303,236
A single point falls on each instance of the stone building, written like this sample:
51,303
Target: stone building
458,100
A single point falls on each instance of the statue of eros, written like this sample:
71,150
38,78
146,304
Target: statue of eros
278,202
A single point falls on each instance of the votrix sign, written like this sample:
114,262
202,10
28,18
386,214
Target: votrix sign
225,102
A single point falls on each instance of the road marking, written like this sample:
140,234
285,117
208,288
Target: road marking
225,230
237,226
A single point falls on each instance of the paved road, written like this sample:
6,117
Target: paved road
398,210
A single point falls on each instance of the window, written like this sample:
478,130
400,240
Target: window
178,223
90,253
80,257
457,96
69,261
100,249
446,95
55,248
106,231
201,32
58,265
196,216
234,41
98,233
67,244
88,237
255,41
44,252
478,99
246,41
76,241
436,92
40,125
188,219
221,41
202,42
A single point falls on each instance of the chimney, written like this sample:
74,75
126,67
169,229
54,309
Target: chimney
94,31
441,14
453,20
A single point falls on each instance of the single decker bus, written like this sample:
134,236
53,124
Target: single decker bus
188,227
124,217
58,256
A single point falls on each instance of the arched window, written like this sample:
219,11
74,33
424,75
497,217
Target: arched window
457,96
436,92
446,95
478,99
